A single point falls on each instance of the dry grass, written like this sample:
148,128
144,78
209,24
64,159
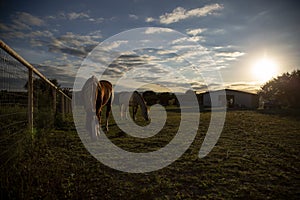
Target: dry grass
256,157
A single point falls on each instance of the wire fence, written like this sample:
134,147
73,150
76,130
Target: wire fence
29,102
13,95
50,107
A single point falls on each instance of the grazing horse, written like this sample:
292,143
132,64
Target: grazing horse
96,94
134,99
105,97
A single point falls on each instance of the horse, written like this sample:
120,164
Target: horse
96,94
104,98
135,100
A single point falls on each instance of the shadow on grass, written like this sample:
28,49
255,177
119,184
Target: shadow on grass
287,112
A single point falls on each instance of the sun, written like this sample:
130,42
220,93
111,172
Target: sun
264,69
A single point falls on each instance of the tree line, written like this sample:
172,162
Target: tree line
283,90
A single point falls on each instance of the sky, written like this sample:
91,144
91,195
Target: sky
247,42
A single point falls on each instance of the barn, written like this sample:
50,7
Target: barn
233,99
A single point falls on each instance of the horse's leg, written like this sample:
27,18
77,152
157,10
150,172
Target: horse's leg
126,111
134,111
122,111
108,109
99,111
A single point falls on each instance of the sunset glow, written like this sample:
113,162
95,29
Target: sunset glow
264,69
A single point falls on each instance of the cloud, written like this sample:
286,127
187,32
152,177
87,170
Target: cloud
228,47
251,87
230,55
153,30
21,21
96,20
180,13
216,32
69,43
10,33
63,64
118,67
187,41
4,27
35,34
150,19
166,52
25,26
195,32
27,19
202,87
134,17
109,46
82,15
75,44
74,15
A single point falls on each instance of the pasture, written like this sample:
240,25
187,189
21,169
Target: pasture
256,157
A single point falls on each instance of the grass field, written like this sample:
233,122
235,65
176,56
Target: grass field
256,157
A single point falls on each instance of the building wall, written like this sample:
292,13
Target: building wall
216,98
241,99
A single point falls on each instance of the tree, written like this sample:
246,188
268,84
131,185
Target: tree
150,97
284,90
164,98
42,86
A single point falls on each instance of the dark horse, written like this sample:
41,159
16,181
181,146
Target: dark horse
135,100
96,94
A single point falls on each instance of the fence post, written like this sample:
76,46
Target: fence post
69,106
54,100
63,107
30,100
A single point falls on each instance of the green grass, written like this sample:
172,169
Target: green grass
256,157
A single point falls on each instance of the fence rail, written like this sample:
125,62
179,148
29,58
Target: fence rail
13,67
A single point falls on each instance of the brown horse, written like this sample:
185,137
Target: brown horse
96,94
104,97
